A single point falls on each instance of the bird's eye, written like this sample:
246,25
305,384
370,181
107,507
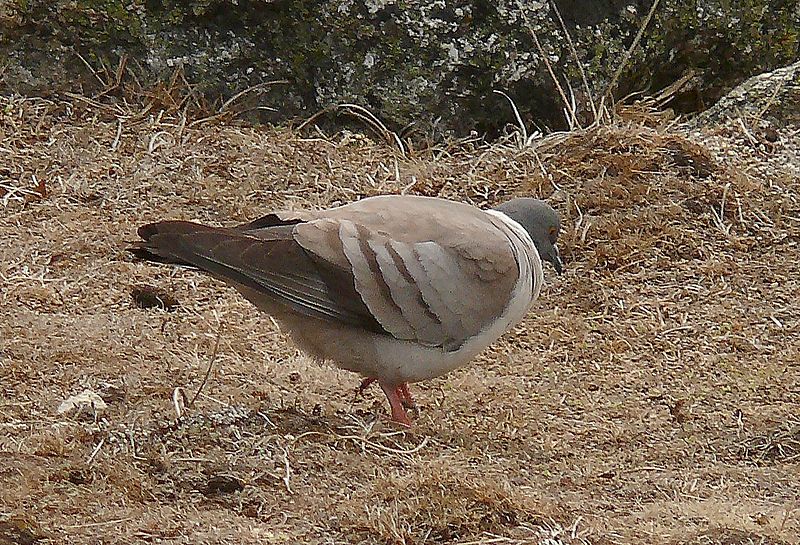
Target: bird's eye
553,232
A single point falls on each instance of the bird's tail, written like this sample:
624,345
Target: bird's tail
158,239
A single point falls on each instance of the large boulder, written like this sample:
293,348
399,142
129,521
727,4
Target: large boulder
773,97
427,61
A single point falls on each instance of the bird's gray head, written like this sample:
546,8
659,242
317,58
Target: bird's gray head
542,224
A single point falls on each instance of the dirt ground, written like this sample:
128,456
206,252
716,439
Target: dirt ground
652,395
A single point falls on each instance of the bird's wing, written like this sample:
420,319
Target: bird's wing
426,291
419,270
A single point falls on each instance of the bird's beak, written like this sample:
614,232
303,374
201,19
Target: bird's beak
555,258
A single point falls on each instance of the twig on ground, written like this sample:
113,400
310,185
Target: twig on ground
287,470
523,131
259,87
719,217
210,366
96,450
179,401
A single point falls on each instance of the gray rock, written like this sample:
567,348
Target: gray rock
772,96
426,61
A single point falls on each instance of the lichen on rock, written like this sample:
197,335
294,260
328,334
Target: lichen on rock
426,61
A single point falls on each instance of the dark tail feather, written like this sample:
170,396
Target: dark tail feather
140,251
172,227
149,250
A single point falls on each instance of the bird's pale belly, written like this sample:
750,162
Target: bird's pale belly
396,361
372,355
386,358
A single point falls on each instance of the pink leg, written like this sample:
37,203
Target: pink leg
395,396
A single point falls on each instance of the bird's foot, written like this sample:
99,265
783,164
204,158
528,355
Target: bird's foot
398,397
405,396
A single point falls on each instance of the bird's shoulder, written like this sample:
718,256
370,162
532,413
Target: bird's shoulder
466,232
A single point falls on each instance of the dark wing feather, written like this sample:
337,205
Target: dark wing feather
267,260
270,220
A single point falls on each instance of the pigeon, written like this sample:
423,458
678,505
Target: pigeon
396,288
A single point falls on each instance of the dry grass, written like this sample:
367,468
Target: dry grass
651,397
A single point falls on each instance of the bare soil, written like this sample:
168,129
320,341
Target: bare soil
652,395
